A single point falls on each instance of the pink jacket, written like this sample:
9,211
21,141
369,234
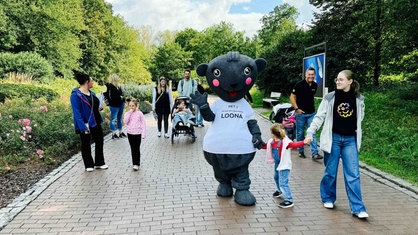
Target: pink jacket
136,123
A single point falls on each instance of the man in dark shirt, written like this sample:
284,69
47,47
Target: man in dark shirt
302,99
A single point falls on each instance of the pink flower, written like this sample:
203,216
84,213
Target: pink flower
30,137
28,129
10,116
40,153
44,108
22,138
25,121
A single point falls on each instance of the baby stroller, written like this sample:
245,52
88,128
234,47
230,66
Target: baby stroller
285,114
183,127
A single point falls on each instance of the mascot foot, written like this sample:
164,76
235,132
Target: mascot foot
244,198
224,190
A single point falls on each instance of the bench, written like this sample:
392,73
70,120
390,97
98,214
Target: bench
272,100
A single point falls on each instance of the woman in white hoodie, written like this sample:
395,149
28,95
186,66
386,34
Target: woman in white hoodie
341,113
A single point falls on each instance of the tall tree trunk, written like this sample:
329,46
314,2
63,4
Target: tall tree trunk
378,44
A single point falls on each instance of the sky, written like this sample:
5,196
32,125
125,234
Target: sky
174,15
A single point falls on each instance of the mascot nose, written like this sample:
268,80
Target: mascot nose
234,85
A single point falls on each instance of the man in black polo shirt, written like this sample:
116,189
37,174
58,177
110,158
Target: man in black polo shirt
302,99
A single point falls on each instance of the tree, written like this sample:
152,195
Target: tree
169,61
45,27
277,24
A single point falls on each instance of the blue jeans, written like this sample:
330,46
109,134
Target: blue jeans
344,147
284,185
116,117
276,158
304,120
199,118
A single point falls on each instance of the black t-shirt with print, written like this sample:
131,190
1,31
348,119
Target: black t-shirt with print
345,113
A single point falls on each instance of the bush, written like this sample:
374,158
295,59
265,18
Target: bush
27,63
143,93
37,128
11,91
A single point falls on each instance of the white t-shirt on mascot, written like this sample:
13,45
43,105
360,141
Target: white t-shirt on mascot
231,120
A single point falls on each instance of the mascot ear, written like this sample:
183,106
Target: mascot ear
261,64
201,69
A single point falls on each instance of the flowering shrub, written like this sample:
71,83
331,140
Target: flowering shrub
37,129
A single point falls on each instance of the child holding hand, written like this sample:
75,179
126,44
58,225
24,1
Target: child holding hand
135,121
278,152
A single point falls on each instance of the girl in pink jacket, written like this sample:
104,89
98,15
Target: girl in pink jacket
135,121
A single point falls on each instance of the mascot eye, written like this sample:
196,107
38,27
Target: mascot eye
217,73
247,70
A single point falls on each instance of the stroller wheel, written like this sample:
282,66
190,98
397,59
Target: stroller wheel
172,136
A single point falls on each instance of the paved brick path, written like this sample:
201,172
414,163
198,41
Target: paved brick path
174,192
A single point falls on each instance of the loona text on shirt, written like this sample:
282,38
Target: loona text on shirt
231,115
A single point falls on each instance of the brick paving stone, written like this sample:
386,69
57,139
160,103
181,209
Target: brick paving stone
174,192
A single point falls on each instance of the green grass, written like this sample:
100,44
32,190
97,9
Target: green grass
390,130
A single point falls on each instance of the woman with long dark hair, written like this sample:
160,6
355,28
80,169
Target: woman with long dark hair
162,103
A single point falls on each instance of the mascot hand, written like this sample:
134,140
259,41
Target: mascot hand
258,142
199,99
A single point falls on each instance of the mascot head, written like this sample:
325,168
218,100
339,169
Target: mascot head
232,75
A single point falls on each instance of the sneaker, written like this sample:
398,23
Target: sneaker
317,157
286,204
122,135
302,155
166,136
329,205
114,136
277,194
135,167
89,169
159,134
103,167
362,215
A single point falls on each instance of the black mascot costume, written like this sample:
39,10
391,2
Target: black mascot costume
231,141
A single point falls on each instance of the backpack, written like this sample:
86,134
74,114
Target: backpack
182,84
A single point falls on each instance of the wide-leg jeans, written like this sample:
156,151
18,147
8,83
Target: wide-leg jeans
344,147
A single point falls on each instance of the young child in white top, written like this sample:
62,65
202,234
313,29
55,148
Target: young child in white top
278,152
182,114
137,129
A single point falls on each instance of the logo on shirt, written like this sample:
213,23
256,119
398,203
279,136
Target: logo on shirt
344,110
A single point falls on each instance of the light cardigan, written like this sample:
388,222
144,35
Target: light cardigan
324,115
285,154
136,123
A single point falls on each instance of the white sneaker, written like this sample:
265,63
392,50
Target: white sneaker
103,167
89,169
362,215
159,134
135,167
328,205
166,135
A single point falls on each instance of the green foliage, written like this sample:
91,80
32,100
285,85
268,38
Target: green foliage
143,93
25,62
11,91
284,67
390,132
276,24
169,61
139,92
46,124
